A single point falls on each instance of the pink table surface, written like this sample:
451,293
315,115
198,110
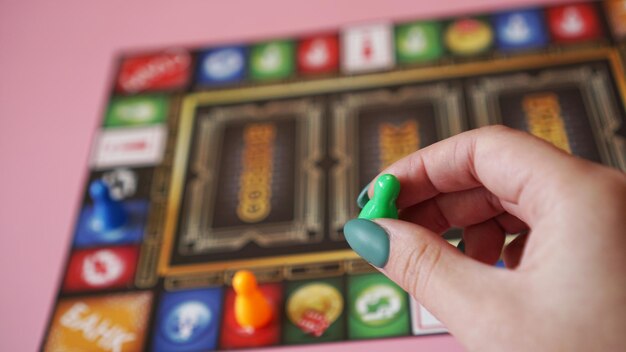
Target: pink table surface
56,63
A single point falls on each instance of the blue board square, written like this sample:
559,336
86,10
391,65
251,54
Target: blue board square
188,320
132,232
221,65
520,30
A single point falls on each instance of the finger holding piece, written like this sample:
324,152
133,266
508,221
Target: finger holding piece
517,168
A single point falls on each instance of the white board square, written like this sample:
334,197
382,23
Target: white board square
423,322
367,48
141,146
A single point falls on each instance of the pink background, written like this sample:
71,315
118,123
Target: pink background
56,63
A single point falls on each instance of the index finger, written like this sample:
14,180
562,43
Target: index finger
523,171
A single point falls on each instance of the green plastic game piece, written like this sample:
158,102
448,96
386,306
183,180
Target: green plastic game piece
136,110
383,204
377,308
418,42
272,60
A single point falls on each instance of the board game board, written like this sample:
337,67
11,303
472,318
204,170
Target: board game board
251,156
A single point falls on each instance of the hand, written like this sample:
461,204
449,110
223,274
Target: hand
565,289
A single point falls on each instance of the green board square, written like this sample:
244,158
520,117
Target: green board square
272,60
418,42
377,307
136,110
292,334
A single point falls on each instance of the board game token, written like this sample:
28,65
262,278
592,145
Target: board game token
383,203
252,309
108,214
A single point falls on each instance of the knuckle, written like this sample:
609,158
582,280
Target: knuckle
419,266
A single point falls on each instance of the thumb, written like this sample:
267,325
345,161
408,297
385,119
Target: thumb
458,290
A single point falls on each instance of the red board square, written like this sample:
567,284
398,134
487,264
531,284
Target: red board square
573,23
166,70
318,54
101,268
234,336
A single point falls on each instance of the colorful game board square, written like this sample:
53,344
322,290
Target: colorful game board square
136,110
272,60
124,183
367,48
616,15
468,36
221,65
88,234
169,69
314,311
115,322
423,322
377,307
520,30
188,320
101,268
234,336
574,22
137,146
318,54
418,42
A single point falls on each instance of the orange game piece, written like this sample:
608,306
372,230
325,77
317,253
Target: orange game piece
252,309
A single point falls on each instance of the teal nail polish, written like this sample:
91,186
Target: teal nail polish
363,197
461,246
369,240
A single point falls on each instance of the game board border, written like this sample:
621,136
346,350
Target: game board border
338,85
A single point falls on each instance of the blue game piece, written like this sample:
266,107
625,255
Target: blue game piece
108,214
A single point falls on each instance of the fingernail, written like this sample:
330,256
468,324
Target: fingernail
369,240
461,246
363,197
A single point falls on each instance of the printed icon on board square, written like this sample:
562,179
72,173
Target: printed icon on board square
136,110
616,15
114,322
272,60
468,36
314,311
188,320
101,268
221,65
137,146
167,70
318,54
377,307
418,42
520,30
367,48
573,23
